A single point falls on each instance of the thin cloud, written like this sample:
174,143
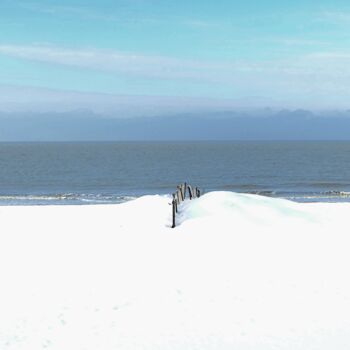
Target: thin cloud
280,41
334,17
159,67
316,74
24,99
84,13
202,24
299,42
124,16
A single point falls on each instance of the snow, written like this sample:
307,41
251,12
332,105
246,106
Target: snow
238,272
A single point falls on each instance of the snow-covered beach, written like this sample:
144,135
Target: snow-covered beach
238,272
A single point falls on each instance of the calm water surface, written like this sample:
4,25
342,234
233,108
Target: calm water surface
82,173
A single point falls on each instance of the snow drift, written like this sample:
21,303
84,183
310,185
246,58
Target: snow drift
238,272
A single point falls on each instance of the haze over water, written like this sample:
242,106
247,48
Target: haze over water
84,173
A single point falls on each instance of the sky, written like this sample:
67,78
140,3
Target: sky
67,54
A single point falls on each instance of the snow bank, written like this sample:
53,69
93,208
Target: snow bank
238,272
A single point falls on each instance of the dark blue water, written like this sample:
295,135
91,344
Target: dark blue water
82,173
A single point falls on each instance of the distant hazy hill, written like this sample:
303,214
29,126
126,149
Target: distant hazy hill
262,124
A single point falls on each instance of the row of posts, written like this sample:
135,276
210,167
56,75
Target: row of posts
180,195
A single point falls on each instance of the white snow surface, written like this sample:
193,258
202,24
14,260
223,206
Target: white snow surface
238,272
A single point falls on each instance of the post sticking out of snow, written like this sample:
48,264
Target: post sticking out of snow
190,193
174,211
175,202
180,195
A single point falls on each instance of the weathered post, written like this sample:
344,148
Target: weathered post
182,191
190,192
179,190
174,212
178,195
174,200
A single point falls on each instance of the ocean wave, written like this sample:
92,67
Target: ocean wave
326,196
63,198
320,184
266,193
305,196
89,198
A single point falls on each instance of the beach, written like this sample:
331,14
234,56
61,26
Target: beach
239,271
174,175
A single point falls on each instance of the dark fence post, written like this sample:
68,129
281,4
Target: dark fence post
174,212
174,200
180,195
190,191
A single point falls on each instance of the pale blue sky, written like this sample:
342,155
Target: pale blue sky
283,53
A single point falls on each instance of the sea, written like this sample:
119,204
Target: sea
60,173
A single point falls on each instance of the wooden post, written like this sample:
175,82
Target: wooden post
174,200
190,191
198,193
174,212
178,195
181,193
